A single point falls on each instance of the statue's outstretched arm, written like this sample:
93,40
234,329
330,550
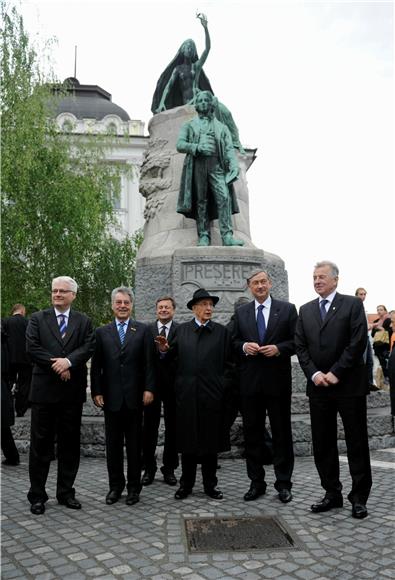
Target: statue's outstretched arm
199,64
166,90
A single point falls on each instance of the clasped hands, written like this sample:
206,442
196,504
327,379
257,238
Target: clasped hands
325,379
61,367
253,349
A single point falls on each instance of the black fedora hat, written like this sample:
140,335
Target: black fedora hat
201,294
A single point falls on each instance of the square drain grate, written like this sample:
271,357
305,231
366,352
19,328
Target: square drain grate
229,534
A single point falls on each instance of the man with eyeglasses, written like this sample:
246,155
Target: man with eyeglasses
59,341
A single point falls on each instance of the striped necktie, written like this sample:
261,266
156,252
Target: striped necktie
62,321
121,331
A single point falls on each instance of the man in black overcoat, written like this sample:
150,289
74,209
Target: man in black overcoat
8,447
20,365
264,340
203,351
122,381
59,341
330,342
165,377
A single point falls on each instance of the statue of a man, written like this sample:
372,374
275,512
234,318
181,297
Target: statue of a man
184,77
210,167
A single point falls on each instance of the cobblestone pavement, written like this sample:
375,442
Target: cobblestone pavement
147,540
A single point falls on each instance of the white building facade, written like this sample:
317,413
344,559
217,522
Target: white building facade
89,110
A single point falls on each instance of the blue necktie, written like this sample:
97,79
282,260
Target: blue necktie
62,325
323,309
261,324
121,331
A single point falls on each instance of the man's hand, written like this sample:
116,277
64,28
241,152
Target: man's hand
331,379
65,375
162,343
269,350
206,145
251,348
98,400
148,397
60,365
320,380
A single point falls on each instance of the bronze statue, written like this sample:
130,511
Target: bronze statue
184,77
210,168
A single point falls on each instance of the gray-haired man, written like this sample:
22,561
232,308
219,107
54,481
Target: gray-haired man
122,381
59,341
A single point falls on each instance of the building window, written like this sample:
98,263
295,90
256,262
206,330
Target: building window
112,129
67,126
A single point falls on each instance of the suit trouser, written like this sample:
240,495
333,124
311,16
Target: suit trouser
254,409
123,427
189,463
48,420
8,446
209,175
352,410
151,421
22,376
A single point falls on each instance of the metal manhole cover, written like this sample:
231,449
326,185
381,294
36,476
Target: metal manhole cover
228,534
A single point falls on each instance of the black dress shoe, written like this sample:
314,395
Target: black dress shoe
359,511
70,503
112,497
254,492
148,477
214,493
327,504
168,476
182,493
132,498
37,508
285,495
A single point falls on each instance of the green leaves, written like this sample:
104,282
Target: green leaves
57,192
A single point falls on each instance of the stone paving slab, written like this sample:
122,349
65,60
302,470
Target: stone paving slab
147,540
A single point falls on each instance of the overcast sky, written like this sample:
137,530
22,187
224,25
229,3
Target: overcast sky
310,85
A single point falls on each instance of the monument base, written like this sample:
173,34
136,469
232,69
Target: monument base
221,270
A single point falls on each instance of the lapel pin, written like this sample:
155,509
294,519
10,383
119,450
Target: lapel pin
132,329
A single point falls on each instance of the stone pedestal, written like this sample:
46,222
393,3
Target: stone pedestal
220,270
169,262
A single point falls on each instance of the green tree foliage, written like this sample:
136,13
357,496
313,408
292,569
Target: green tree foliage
56,205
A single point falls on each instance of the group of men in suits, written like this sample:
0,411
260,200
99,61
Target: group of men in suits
137,366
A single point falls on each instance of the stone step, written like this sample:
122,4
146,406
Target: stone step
380,429
375,400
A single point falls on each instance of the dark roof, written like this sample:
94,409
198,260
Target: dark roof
88,101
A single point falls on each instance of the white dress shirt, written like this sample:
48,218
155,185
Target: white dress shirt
167,326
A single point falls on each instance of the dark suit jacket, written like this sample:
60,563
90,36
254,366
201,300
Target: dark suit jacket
43,342
337,344
165,366
269,375
15,327
121,373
